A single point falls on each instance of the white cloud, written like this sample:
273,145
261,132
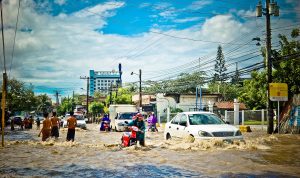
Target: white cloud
60,2
189,19
60,49
197,5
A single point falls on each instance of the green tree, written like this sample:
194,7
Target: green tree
44,103
65,106
96,108
20,97
124,97
228,91
236,78
287,70
220,67
254,93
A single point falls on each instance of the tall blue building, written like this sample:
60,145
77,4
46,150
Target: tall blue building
102,80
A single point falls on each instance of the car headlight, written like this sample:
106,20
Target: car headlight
204,134
238,133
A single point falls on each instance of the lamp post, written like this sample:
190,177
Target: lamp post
140,90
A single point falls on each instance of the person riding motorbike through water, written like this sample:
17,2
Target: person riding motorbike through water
105,118
152,120
139,122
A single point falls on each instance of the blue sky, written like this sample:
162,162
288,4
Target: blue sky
60,40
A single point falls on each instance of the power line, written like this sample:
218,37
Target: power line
3,45
13,49
191,39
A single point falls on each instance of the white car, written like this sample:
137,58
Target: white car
200,125
81,123
122,120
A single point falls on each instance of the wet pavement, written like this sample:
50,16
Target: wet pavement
98,154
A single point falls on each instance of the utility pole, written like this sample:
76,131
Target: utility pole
140,77
73,101
56,97
87,93
270,9
4,82
110,95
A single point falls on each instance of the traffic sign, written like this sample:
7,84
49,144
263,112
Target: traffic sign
278,91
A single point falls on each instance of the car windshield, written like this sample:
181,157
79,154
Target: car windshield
204,119
79,117
126,116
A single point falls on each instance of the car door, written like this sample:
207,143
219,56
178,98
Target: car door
182,126
173,126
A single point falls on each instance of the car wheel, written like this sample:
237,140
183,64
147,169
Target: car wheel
168,136
116,129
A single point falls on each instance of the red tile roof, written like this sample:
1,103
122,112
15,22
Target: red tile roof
229,105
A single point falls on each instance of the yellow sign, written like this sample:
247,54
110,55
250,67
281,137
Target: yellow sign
278,91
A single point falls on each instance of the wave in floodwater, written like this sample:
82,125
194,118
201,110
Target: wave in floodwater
262,143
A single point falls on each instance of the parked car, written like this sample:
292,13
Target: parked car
17,120
81,123
200,125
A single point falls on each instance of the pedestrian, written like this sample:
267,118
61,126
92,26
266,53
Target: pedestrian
12,124
38,123
55,124
139,122
71,123
46,130
31,121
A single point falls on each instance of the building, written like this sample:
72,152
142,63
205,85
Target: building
102,81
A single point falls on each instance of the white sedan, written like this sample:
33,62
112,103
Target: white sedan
200,125
81,123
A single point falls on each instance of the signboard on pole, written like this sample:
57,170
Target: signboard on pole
278,91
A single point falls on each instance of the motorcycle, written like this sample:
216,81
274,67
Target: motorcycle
129,138
151,127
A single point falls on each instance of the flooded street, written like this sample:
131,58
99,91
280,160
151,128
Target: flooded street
95,154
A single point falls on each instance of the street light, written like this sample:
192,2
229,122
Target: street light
140,92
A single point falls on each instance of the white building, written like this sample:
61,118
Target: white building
102,81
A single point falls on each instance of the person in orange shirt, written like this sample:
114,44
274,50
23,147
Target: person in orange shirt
55,124
46,130
71,122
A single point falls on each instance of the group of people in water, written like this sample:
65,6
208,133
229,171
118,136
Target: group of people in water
51,127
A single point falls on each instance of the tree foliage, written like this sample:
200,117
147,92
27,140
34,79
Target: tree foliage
96,108
124,97
228,91
254,92
220,67
287,71
20,97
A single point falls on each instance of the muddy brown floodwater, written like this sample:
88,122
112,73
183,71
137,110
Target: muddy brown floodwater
98,154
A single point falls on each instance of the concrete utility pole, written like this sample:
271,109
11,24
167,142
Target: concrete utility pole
140,77
87,93
271,9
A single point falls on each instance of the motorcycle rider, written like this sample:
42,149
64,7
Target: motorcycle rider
139,122
152,120
105,118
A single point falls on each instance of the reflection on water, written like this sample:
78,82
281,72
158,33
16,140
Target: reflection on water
95,154
87,171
